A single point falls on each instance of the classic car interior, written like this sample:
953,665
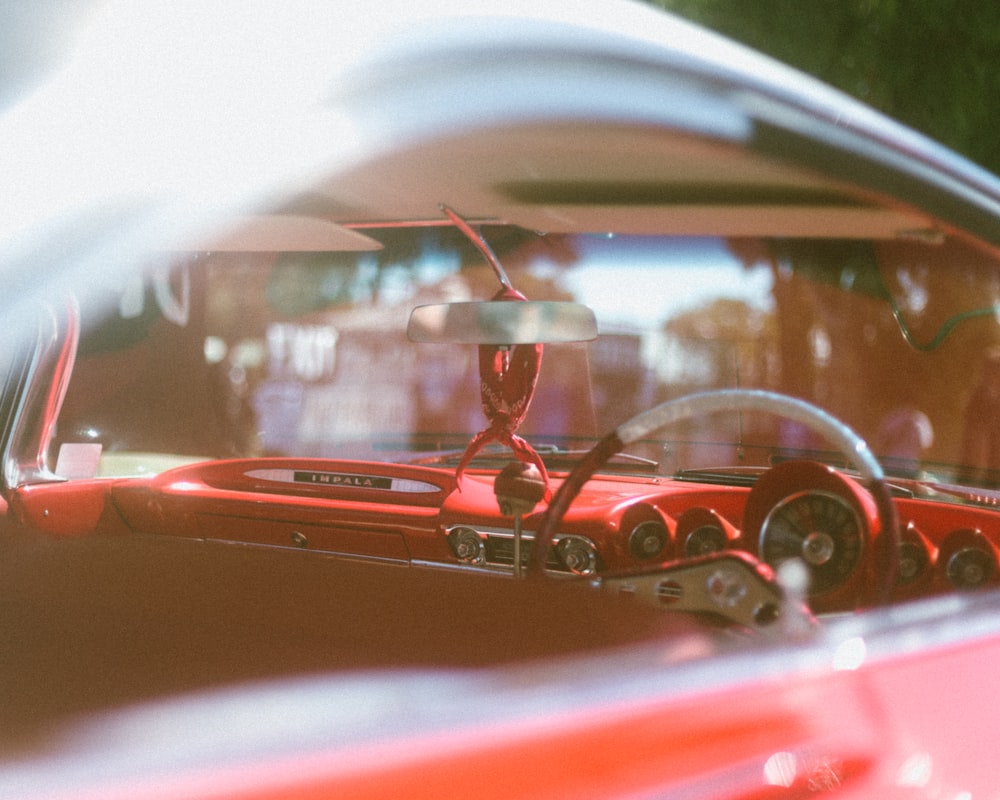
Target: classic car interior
191,459
500,395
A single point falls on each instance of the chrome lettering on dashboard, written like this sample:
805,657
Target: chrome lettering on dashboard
350,480
342,479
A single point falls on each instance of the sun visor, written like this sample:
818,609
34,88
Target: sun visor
286,233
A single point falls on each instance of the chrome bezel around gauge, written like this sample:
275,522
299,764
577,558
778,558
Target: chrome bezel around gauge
822,529
572,554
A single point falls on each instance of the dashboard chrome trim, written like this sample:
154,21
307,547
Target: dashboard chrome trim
314,477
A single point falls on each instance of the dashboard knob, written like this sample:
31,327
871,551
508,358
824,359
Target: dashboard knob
518,488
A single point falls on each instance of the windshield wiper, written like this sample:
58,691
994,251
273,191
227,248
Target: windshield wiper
723,476
548,452
558,452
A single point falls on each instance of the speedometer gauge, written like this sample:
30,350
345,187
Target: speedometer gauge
821,529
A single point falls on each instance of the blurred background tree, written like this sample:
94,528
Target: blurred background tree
931,64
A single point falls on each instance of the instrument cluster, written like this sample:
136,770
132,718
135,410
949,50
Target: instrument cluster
798,510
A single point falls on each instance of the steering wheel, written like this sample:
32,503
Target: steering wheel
737,400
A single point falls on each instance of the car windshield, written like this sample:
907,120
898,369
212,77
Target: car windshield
305,354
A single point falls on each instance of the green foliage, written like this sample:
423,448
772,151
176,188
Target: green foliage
930,64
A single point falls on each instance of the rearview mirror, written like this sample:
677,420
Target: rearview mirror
502,323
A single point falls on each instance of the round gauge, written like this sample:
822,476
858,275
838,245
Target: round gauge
702,531
648,539
705,539
821,529
912,562
578,554
970,568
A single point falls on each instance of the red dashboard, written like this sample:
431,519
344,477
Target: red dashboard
617,525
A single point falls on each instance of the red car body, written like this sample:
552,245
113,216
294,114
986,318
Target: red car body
212,617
